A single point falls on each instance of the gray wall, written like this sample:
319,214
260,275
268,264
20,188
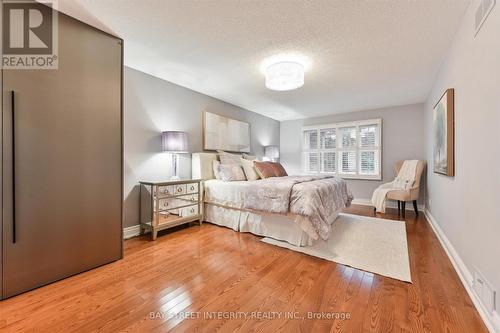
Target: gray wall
152,105
402,138
467,207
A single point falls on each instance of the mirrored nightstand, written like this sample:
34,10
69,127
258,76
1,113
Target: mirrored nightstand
169,204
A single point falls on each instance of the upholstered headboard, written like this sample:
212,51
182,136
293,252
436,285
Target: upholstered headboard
201,165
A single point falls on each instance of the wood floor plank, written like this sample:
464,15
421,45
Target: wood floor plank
211,269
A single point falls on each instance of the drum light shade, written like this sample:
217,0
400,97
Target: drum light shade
285,75
175,142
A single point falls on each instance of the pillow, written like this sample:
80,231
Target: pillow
249,157
215,167
230,172
279,171
269,169
249,169
264,169
227,158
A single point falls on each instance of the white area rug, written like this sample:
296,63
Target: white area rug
371,244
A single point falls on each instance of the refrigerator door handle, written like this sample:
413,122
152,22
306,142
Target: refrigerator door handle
13,112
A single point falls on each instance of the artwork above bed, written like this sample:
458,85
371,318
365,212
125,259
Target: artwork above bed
224,133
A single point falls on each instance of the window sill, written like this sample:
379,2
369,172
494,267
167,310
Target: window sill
358,177
349,177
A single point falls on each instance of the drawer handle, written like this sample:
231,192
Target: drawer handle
165,204
192,199
192,188
179,189
192,210
166,192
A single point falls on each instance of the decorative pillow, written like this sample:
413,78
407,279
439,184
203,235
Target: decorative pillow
227,158
249,157
264,169
249,169
231,172
279,171
215,167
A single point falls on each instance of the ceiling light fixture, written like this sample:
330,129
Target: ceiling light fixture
284,75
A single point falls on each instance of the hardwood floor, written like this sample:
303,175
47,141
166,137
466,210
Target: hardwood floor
205,270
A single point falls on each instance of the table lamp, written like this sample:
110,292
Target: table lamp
175,143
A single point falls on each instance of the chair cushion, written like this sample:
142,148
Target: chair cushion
401,195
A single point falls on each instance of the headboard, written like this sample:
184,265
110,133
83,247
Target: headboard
201,165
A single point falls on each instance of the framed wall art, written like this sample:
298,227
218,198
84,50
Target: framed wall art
444,150
225,133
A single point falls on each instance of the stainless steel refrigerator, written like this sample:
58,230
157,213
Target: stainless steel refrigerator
62,162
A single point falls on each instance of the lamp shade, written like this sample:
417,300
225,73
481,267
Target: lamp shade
174,142
272,152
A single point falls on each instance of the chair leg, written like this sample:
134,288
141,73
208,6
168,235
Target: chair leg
403,208
415,207
399,207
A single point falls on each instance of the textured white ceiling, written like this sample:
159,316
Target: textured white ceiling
363,54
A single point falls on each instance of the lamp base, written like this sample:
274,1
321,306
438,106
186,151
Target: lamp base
175,162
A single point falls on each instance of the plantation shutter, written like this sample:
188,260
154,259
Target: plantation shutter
369,153
349,150
328,145
310,154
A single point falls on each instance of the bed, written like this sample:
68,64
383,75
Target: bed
280,208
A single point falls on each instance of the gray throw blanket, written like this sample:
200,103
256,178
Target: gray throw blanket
316,200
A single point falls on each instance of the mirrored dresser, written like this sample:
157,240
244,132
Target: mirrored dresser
169,204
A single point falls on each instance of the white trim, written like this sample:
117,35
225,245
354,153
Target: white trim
389,204
345,176
132,231
339,149
354,177
495,320
490,319
344,124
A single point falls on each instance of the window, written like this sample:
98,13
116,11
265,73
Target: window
349,150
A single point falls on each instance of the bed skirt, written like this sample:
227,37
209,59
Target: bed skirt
276,226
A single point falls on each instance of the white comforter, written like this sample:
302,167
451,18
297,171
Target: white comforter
314,200
228,194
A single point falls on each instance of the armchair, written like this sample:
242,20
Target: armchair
402,196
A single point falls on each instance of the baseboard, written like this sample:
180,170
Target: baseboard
132,231
491,319
389,204
496,321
